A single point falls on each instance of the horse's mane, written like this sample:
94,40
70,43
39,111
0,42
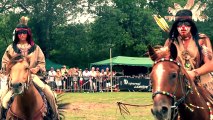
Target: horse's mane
14,60
160,52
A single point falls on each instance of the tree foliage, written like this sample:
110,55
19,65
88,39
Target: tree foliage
126,26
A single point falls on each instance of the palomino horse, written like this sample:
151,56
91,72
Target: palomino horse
27,103
175,96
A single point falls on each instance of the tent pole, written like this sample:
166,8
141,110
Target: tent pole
111,68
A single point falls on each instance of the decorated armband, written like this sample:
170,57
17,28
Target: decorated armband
206,52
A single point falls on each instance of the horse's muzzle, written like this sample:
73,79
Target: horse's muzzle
17,88
161,111
16,85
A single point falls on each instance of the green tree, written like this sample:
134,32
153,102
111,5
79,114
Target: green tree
44,16
127,25
71,45
7,23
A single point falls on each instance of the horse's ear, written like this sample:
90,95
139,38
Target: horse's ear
152,53
173,50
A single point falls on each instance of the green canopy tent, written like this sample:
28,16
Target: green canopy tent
128,64
50,64
129,61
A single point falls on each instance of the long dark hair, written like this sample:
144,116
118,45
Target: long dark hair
29,35
173,34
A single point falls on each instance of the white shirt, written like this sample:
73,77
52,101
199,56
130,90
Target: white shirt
51,75
86,75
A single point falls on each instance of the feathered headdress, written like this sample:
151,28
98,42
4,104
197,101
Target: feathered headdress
196,10
178,12
23,20
23,26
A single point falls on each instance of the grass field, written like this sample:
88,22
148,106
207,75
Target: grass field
102,106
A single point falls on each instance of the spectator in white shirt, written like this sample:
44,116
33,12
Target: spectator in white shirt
51,78
86,77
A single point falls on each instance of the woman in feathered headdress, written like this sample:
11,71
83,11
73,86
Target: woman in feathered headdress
23,44
194,48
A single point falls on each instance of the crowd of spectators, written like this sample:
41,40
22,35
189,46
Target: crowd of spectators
78,80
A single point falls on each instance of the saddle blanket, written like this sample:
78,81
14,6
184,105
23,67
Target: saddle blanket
207,82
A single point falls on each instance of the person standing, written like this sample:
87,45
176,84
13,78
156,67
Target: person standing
107,75
102,77
86,77
92,80
64,72
51,78
75,79
81,82
98,79
58,81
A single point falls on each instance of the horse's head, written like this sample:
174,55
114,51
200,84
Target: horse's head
19,74
166,83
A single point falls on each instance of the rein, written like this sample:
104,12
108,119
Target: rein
176,102
123,108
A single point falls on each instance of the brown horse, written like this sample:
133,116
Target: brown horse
27,103
175,96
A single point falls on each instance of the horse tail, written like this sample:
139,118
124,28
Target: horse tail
62,106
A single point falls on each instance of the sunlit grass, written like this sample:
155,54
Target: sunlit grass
103,106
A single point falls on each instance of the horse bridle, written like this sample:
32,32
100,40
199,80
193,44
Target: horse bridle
176,102
19,88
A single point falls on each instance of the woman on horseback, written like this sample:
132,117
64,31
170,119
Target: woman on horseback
24,44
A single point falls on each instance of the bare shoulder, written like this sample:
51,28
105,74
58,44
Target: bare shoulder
203,36
167,42
203,39
37,47
10,46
